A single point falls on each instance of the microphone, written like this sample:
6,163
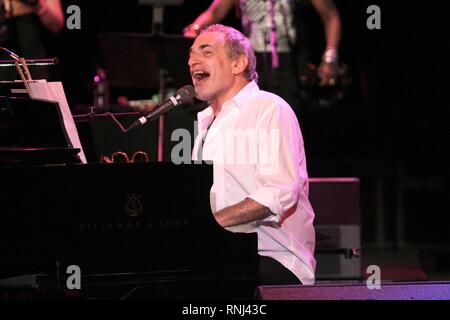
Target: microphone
184,95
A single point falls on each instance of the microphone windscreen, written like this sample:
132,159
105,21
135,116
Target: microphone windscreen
187,94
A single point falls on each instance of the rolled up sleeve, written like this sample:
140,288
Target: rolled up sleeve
278,169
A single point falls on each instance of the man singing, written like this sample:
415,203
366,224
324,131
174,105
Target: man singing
254,141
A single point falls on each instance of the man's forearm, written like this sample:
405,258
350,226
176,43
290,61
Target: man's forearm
245,211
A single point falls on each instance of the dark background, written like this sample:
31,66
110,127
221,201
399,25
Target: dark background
390,129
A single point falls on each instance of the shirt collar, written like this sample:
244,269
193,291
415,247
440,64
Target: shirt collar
239,100
245,94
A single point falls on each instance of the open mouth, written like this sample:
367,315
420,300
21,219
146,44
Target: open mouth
200,75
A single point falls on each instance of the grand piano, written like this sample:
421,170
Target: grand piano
135,230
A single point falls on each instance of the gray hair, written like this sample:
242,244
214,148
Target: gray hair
237,44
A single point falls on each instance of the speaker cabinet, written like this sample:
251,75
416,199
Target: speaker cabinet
338,227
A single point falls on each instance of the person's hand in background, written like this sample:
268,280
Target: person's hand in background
327,73
191,31
328,68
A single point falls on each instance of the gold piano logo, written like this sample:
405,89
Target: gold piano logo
134,207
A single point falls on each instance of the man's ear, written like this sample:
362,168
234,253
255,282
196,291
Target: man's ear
239,64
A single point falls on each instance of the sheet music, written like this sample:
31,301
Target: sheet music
54,91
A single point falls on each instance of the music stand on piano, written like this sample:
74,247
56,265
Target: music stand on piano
40,95
32,131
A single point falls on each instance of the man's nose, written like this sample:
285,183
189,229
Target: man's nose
193,59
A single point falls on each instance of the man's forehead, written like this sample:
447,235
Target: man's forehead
207,39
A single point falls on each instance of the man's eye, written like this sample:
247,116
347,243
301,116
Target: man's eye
207,53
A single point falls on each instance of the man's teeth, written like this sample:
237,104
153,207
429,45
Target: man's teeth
200,74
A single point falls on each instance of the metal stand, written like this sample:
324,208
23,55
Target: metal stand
153,60
157,30
21,66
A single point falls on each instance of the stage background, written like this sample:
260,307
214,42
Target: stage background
390,130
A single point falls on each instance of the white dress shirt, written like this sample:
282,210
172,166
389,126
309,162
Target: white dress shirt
257,151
